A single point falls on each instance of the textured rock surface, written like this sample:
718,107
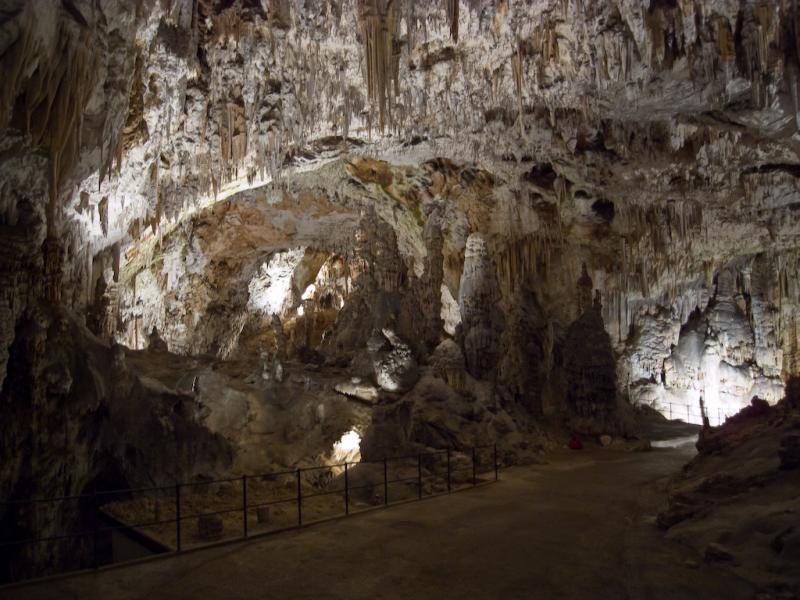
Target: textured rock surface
554,207
78,417
736,502
655,142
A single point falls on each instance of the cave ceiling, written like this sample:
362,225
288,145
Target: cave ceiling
654,141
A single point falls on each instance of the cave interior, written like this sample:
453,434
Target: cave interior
252,236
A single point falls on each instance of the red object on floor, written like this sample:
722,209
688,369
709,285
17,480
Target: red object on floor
575,443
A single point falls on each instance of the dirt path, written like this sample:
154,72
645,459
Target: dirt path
579,527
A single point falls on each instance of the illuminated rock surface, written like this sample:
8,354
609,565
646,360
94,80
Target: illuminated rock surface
429,223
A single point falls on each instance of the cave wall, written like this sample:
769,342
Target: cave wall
77,420
508,213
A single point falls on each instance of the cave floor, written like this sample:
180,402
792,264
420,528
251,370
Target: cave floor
581,526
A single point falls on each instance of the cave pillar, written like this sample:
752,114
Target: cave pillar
478,297
589,361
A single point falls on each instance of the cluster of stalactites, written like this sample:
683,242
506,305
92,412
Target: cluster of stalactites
656,244
763,34
54,96
530,256
379,22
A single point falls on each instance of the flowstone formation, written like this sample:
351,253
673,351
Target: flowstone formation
423,224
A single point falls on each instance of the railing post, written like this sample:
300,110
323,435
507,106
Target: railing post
419,476
448,471
299,501
178,516
688,415
385,482
346,491
94,529
495,461
474,467
244,504
670,411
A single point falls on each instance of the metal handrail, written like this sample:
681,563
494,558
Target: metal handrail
300,495
690,410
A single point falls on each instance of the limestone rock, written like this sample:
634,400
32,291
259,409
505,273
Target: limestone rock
733,489
448,361
393,361
359,390
590,366
262,514
155,343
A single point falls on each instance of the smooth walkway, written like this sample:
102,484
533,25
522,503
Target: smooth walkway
579,527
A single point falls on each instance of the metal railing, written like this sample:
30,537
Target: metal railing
158,515
693,414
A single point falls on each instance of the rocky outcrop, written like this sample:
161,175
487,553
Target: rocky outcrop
735,502
430,286
527,366
79,420
393,361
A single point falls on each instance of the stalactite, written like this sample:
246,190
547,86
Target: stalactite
725,42
452,16
763,14
379,30
54,100
102,209
516,69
